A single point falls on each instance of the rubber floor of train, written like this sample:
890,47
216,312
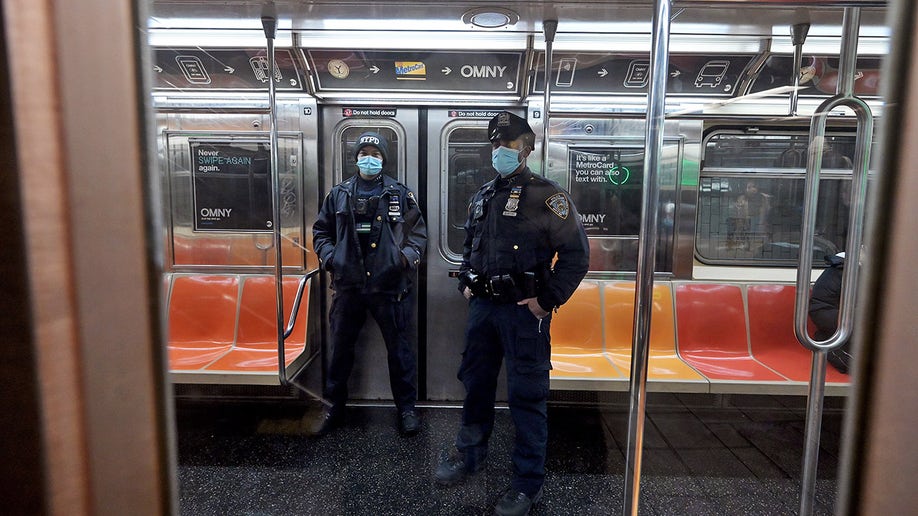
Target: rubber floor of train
703,454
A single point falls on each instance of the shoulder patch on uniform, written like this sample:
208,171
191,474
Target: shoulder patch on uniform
559,205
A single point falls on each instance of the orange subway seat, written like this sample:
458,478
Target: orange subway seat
664,363
256,340
772,337
711,322
576,337
202,320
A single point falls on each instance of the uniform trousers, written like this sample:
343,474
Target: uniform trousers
394,316
497,331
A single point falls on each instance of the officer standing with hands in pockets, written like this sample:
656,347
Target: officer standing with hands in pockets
519,224
370,235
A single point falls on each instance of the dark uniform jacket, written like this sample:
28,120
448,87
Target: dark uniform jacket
517,225
398,230
824,299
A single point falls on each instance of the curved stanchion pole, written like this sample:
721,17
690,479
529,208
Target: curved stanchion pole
849,279
852,250
855,222
643,295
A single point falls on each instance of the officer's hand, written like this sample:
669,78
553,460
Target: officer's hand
467,292
533,304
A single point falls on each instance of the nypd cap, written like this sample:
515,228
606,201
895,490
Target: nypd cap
507,126
375,140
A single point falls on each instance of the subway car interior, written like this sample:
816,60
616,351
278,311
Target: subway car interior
172,346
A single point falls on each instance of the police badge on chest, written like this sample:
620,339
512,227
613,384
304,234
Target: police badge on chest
513,202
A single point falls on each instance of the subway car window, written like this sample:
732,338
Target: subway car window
469,167
349,137
751,198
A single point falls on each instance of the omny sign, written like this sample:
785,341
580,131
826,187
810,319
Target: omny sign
231,185
482,71
438,71
605,185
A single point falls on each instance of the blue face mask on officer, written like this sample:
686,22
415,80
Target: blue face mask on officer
371,152
369,165
505,160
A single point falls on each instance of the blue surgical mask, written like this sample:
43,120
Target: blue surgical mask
505,160
369,165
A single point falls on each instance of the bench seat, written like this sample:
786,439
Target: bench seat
704,337
222,328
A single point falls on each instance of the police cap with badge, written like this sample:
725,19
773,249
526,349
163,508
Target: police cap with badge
507,127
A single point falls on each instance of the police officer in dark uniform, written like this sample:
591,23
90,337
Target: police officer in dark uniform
370,235
824,303
518,224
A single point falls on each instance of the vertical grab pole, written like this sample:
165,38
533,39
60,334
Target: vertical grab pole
816,395
270,26
549,27
643,295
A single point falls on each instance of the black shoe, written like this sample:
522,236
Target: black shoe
515,503
330,421
409,423
453,468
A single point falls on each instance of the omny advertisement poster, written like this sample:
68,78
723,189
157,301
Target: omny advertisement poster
605,184
232,185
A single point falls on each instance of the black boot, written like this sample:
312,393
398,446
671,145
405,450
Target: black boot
409,423
515,503
331,419
454,467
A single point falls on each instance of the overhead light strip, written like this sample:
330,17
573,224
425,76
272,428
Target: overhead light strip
216,38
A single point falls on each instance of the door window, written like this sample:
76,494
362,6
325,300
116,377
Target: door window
348,150
468,163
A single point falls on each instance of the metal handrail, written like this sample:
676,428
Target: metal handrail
297,301
855,221
294,311
816,394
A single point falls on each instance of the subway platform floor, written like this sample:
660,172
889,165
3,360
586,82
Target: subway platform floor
703,454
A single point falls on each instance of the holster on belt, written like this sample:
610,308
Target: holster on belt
510,288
